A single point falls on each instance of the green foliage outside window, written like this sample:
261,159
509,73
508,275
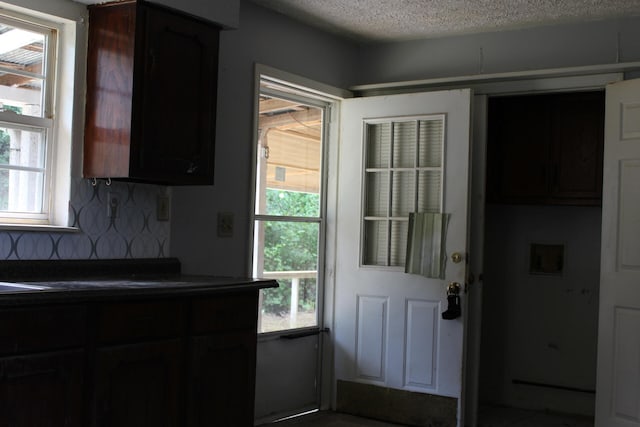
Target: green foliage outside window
4,174
291,247
5,145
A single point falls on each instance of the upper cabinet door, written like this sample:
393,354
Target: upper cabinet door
177,111
151,103
546,149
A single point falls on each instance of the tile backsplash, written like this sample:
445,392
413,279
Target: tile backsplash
134,232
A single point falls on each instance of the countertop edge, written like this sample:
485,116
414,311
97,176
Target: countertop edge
200,286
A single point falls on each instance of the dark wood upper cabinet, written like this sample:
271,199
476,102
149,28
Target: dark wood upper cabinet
546,149
151,95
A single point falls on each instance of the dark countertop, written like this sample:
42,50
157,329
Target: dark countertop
76,290
83,281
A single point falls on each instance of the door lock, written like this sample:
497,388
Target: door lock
456,257
453,302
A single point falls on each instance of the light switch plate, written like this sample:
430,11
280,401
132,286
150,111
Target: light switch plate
225,224
163,208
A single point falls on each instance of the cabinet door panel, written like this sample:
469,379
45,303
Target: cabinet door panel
138,385
179,86
577,138
42,390
222,380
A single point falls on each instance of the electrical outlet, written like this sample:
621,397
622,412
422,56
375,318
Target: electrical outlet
113,202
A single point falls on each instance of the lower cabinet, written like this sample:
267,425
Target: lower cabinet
42,389
146,362
138,385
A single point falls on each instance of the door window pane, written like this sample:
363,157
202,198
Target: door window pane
403,174
289,157
290,254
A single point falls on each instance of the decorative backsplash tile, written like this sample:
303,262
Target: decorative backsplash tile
134,232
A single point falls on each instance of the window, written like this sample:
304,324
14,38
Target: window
289,206
403,174
26,119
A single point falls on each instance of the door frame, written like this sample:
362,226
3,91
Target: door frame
333,96
544,81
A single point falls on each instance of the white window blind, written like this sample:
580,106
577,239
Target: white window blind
402,174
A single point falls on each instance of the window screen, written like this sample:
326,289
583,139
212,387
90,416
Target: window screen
403,174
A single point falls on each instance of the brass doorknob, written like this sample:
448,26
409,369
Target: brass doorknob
456,257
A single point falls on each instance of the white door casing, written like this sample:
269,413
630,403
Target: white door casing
388,325
618,376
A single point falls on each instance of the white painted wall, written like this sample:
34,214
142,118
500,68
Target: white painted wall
271,39
540,328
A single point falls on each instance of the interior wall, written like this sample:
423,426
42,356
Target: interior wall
271,39
568,45
540,328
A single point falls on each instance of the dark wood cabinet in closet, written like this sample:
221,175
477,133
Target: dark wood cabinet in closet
546,149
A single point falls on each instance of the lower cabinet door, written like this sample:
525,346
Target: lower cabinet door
138,385
222,380
42,390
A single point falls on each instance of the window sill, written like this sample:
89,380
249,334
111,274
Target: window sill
39,228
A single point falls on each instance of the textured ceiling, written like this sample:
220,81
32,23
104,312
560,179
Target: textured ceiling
392,20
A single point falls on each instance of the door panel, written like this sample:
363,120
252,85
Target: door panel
618,377
389,330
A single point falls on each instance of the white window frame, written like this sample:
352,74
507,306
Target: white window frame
62,114
44,124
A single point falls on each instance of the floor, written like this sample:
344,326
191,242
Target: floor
487,417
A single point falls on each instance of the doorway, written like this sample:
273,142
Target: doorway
288,246
542,252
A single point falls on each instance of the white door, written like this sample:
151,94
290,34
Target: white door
618,378
389,329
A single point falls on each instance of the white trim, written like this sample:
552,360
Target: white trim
63,114
300,83
39,227
457,81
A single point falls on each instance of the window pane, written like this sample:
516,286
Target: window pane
377,194
21,83
291,203
375,242
403,195
24,148
378,145
290,255
398,244
404,144
430,143
429,189
21,191
289,155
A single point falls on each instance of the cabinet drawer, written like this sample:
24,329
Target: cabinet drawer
125,321
25,330
226,312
